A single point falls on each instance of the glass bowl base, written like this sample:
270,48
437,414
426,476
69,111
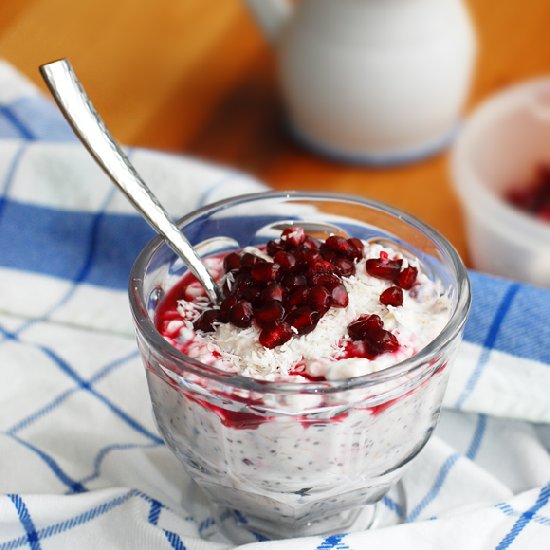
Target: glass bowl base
240,530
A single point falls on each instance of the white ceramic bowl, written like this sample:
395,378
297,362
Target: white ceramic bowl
501,145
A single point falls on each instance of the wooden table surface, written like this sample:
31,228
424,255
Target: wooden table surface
196,77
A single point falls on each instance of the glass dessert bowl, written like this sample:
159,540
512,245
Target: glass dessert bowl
284,455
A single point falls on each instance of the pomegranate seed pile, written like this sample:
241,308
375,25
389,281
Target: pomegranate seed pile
287,297
535,197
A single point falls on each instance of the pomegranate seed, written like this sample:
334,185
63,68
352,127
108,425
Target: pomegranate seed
381,341
242,281
251,294
407,277
321,266
358,329
291,281
260,288
392,296
241,314
303,319
231,261
206,321
356,248
320,299
340,245
249,260
284,259
293,236
272,292
343,266
327,253
328,280
383,269
339,296
275,336
308,257
225,308
298,269
264,272
299,296
273,247
269,314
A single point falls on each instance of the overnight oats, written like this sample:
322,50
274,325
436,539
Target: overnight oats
298,400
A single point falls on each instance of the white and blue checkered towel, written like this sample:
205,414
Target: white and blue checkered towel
81,463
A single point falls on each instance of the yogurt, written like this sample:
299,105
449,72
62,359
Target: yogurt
308,461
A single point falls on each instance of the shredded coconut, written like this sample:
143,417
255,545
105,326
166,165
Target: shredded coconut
424,313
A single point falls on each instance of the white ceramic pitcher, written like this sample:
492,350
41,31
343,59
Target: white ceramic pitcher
372,81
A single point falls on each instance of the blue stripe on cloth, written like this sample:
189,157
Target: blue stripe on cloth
154,512
61,475
9,113
487,293
393,506
527,335
54,242
525,518
174,540
448,465
38,118
71,523
153,518
105,451
10,174
111,366
127,418
73,485
334,542
8,130
489,343
519,334
259,537
241,518
33,417
86,385
505,508
90,249
481,428
205,524
26,521
431,495
88,256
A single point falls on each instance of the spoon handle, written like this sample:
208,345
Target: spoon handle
88,126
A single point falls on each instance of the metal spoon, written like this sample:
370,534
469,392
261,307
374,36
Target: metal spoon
88,126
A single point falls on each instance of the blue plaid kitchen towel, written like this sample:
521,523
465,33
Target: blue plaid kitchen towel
81,462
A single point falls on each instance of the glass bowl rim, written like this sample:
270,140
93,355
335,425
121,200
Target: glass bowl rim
408,366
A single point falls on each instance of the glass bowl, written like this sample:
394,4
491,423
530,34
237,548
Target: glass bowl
278,459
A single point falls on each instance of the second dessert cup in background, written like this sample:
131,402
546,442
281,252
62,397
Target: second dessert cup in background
280,459
504,142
